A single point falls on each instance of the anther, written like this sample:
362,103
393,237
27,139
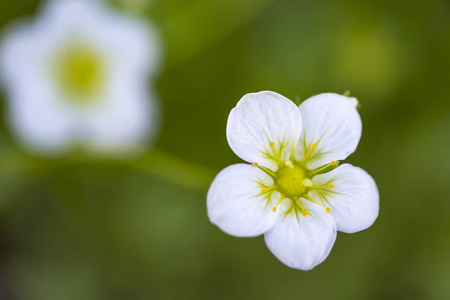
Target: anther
330,185
314,146
271,144
305,213
333,162
328,210
289,164
263,191
255,164
274,209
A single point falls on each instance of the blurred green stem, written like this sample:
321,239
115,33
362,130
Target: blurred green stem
155,162
173,169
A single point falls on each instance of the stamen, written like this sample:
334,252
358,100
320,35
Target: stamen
289,164
316,187
313,147
275,207
255,164
269,172
267,189
272,146
333,163
293,150
327,210
312,200
302,209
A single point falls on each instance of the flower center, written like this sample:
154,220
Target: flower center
293,181
80,72
290,180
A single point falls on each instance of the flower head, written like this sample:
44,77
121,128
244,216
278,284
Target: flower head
293,191
78,74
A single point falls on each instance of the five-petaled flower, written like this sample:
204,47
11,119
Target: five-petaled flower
294,191
79,74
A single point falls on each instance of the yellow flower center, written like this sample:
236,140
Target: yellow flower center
290,181
80,72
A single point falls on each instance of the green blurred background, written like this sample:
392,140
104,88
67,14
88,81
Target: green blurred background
78,228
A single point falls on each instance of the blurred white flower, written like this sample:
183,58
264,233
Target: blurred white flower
78,75
293,192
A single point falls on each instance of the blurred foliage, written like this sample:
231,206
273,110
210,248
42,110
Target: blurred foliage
86,229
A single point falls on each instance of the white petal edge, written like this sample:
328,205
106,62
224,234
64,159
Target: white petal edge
354,199
233,203
333,123
302,242
257,120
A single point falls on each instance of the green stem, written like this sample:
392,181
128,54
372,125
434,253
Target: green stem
175,170
155,162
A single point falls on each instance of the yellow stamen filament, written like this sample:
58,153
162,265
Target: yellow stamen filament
312,200
293,150
333,163
329,186
302,209
328,210
268,171
313,147
267,189
255,164
272,146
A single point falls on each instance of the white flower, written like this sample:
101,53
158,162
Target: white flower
78,75
293,192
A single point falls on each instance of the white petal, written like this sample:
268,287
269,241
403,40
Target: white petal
332,122
36,115
122,122
261,118
354,198
302,242
41,127
234,205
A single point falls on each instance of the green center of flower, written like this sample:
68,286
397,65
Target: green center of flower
80,72
293,180
290,180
